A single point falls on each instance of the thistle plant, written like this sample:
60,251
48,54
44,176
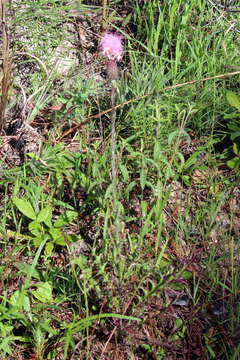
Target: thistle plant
112,48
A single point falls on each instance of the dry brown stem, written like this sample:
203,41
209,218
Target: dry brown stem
6,65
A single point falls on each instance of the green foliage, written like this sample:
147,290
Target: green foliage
234,130
75,99
78,270
42,227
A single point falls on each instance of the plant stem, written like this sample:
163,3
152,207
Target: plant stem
113,135
112,75
7,65
104,14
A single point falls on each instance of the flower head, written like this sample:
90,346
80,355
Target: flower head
111,46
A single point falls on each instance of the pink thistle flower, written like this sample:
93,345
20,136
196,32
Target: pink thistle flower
111,46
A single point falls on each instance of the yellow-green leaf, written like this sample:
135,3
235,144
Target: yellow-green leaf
25,208
233,99
48,249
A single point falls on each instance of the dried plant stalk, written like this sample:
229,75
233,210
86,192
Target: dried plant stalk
6,65
104,14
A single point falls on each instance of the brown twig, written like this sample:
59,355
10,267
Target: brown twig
167,88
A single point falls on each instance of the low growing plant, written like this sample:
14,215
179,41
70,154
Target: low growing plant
42,226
